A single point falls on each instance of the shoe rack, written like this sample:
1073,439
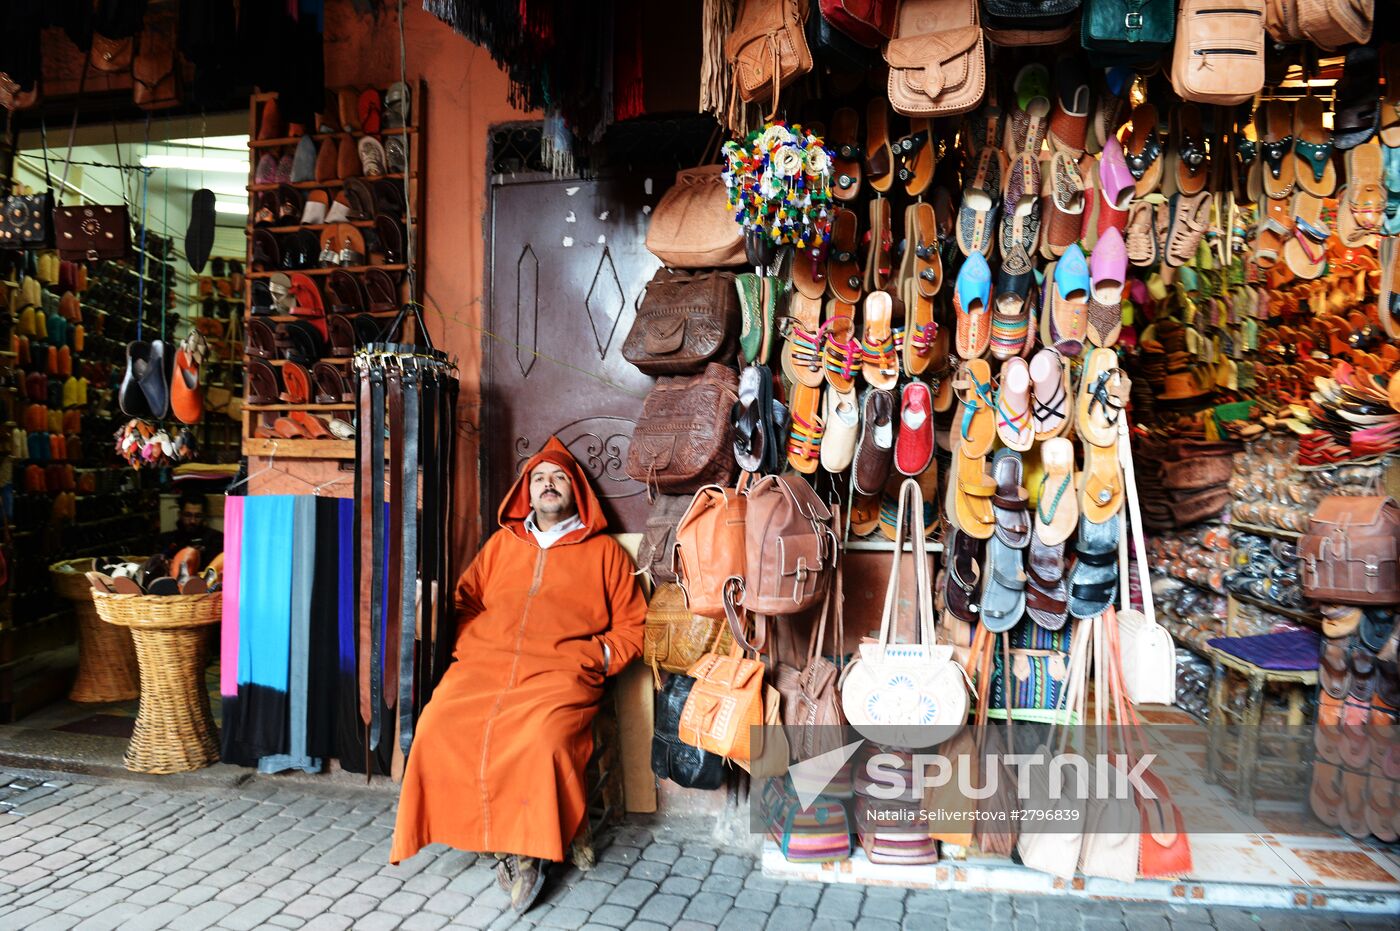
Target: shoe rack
260,418
219,306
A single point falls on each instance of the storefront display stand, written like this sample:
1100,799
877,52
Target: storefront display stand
299,448
999,875
1276,532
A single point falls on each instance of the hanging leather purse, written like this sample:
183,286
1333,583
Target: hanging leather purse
656,554
91,233
811,704
791,546
1112,845
682,438
1149,655
671,758
154,71
710,546
114,27
675,637
693,225
1128,31
27,221
1013,23
1349,554
938,66
1218,56
684,322
767,49
868,22
726,702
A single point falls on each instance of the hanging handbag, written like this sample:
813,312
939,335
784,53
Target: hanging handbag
868,22
1038,679
673,759
1128,31
996,830
1148,655
1014,23
790,546
656,554
938,65
693,225
674,638
1218,55
1349,554
27,221
682,440
154,72
726,704
811,704
767,49
684,322
1111,842
91,233
710,546
908,694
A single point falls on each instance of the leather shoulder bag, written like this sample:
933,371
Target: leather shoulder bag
937,62
671,758
1332,24
791,546
1012,23
767,48
154,71
726,702
1148,655
1218,57
656,555
910,695
693,225
868,22
1128,31
675,637
811,703
684,322
90,232
1350,550
682,438
710,546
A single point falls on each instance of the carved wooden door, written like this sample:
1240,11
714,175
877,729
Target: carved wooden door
566,264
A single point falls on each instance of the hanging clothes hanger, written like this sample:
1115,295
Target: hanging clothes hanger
271,461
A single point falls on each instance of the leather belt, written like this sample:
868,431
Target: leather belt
394,550
364,517
376,601
409,573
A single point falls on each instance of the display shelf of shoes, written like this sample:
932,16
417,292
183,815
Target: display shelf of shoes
1277,533
414,179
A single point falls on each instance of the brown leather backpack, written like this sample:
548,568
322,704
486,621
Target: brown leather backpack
682,440
710,546
684,322
767,48
656,555
791,546
1218,57
1349,554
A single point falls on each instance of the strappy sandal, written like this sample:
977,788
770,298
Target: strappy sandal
1275,229
880,241
1050,408
1103,392
1306,251
1365,199
1141,235
841,354
973,500
1015,425
805,433
846,164
1057,503
802,341
975,422
1190,220
981,198
917,158
879,363
964,579
1312,148
1144,151
879,157
843,273
1278,170
921,242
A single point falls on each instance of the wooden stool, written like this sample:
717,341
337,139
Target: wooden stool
1249,769
174,727
106,657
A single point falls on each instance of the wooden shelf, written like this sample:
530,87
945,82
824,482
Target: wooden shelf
1302,617
299,448
356,134
257,188
347,406
1277,533
354,269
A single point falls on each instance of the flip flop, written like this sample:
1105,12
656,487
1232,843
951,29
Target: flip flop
879,363
1278,172
1015,425
879,157
1190,221
1093,582
1275,229
1100,484
878,267
961,596
1306,251
1057,502
841,417
1108,272
971,300
1050,406
1103,391
975,424
1003,588
809,270
917,157
981,198
1245,182
802,341
926,280
1062,205
843,273
974,489
841,355
1011,502
1047,590
1188,162
1069,301
1312,148
807,428
1145,150
841,137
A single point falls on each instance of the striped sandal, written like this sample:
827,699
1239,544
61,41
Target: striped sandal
879,363
841,354
805,434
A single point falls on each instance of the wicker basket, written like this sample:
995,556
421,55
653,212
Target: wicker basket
106,658
174,730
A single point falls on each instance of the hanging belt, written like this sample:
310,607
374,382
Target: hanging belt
393,534
409,573
428,535
376,603
364,517
447,446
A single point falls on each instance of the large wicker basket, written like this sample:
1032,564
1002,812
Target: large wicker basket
174,730
106,658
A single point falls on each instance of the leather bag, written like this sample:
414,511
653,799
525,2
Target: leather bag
993,835
1111,843
1350,550
1014,23
910,695
790,546
725,704
868,22
684,322
1148,655
1218,56
27,221
820,833
693,226
710,547
767,49
671,758
675,637
1329,24
154,74
1128,31
937,62
656,554
91,233
111,55
811,703
682,440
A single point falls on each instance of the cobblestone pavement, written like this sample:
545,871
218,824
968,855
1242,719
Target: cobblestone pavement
81,852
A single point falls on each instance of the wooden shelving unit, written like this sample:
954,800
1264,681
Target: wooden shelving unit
256,415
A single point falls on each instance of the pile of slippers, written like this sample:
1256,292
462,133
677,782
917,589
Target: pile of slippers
146,446
182,575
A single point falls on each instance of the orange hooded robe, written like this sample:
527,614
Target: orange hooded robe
497,763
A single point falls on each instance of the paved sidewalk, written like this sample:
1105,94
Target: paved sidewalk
92,853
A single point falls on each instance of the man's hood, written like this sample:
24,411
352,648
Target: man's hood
516,506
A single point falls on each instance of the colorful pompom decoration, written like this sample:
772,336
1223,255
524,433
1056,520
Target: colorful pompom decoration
779,184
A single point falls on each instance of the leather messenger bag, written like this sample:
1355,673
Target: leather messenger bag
684,322
938,65
1349,553
682,440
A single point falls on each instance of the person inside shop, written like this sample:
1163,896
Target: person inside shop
548,608
192,530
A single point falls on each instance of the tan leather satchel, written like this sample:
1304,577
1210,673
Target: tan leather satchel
675,637
1349,553
1218,57
812,714
725,703
684,322
710,547
791,546
683,438
937,62
692,226
767,49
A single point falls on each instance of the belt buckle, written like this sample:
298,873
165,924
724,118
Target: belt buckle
1132,20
